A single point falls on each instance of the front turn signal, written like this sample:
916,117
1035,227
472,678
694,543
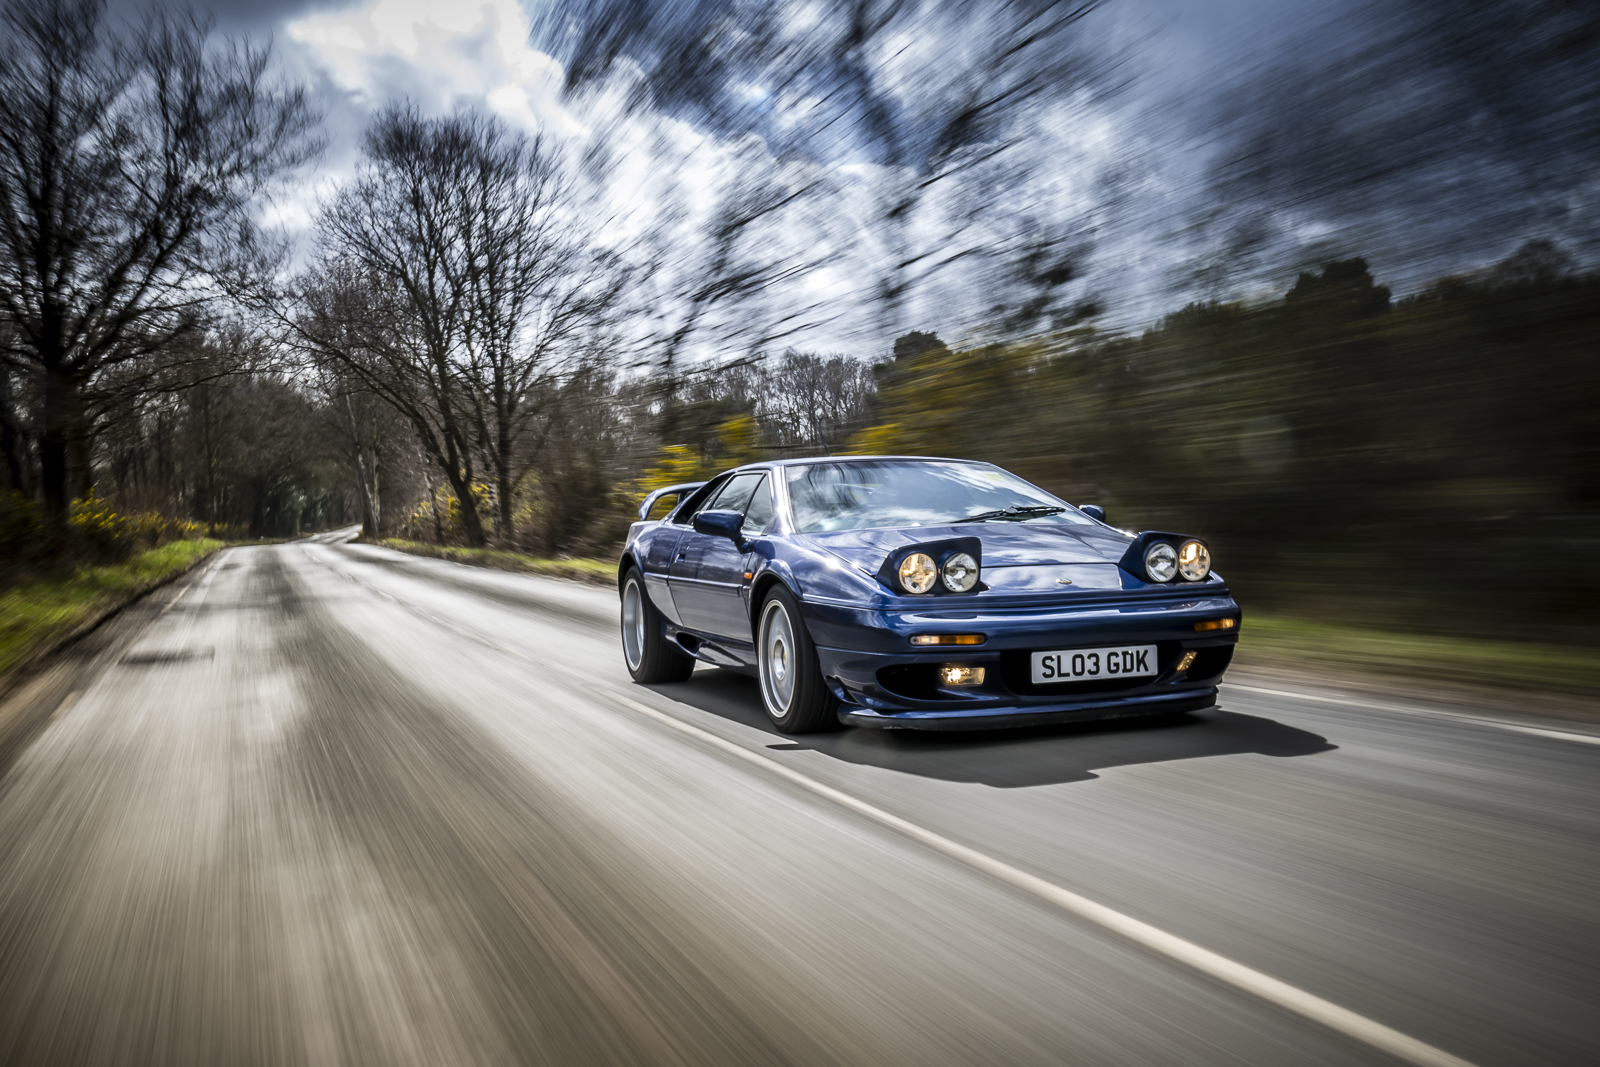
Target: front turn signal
948,639
1215,624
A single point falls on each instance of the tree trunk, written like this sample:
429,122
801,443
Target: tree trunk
368,492
55,442
459,475
503,483
374,501
471,521
502,480
204,400
80,451
10,436
366,474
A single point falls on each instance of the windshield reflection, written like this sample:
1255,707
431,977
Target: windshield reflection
873,494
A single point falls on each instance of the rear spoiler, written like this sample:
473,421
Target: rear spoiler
671,490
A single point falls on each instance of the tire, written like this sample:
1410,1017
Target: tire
796,698
649,656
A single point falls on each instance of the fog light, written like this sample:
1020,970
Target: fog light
1186,662
948,639
1215,624
961,675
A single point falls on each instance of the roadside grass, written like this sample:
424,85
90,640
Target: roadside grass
591,571
36,615
1281,641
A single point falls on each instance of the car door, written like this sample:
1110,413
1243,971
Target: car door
721,574
660,550
708,574
682,562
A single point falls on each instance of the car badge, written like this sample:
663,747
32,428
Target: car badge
1063,581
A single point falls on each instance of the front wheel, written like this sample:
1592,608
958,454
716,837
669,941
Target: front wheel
796,697
650,657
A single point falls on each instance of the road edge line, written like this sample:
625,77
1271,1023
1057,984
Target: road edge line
1417,709
1307,1005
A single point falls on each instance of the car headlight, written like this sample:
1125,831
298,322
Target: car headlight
1160,562
1194,561
918,572
960,573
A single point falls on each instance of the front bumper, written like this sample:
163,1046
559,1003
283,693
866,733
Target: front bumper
1008,718
882,680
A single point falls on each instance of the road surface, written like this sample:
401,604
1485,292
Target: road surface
324,803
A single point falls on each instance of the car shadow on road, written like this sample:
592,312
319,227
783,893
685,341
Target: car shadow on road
1010,759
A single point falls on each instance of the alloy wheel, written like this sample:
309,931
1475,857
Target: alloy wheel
633,623
777,658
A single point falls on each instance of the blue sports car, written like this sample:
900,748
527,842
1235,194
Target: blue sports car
934,594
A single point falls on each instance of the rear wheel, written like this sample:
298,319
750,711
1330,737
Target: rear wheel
649,655
796,697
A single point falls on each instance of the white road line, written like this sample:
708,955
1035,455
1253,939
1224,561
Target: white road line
1342,1020
205,580
199,597
1412,709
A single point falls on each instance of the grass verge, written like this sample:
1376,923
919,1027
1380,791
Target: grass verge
37,616
592,571
1278,641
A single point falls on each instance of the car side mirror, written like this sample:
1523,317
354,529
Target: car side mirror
721,523
1094,511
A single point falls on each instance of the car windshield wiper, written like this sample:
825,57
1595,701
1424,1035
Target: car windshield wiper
1015,513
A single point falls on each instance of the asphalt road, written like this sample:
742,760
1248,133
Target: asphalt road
323,803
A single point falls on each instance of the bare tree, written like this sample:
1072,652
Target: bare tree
538,288
129,163
390,299
817,400
452,281
367,436
803,401
369,326
363,443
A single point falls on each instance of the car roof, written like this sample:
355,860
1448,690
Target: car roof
810,460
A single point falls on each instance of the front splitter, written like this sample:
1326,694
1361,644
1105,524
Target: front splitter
1012,718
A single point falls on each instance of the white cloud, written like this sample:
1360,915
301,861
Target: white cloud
442,55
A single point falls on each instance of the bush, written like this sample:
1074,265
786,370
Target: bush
93,532
97,531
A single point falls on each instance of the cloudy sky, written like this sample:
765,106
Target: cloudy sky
1163,241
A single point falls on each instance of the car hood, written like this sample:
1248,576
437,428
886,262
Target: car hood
1012,544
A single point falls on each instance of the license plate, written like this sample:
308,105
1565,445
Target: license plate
1083,664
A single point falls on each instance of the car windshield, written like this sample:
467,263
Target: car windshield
871,494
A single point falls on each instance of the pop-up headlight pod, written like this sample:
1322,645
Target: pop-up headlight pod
952,567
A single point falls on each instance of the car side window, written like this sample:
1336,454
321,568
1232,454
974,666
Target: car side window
665,505
736,494
759,512
686,511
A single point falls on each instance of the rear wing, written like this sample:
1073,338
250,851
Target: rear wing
671,490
